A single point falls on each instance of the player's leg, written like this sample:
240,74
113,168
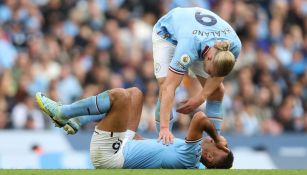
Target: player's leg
213,107
137,104
74,124
118,115
134,116
118,126
108,138
134,120
60,114
163,52
89,118
125,111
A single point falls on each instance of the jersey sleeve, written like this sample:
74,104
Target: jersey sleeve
182,155
236,49
190,153
185,54
201,166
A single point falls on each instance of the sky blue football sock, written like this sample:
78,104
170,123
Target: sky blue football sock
85,119
94,105
214,113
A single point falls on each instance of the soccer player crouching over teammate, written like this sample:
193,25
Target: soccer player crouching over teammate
112,146
192,41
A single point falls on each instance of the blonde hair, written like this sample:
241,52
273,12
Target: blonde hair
223,60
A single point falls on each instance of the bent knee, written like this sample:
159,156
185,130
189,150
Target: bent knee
119,94
135,92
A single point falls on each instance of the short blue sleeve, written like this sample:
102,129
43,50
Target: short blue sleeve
185,54
201,166
236,48
190,153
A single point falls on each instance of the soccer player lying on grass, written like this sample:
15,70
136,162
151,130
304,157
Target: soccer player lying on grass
113,146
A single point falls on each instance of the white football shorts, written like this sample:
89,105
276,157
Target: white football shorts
106,148
163,53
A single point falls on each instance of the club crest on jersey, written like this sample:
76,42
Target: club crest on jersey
185,59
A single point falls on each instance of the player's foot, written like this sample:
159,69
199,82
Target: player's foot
72,126
51,108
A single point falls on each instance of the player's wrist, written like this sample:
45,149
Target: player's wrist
202,97
164,128
164,124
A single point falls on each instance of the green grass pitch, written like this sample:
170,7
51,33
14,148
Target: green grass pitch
153,172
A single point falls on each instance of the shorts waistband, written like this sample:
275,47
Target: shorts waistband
110,133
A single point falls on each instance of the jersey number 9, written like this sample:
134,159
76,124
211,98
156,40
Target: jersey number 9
116,145
204,19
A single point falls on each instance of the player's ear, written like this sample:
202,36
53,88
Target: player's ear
210,54
209,157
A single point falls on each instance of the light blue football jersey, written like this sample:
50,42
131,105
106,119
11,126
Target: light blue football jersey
193,31
149,153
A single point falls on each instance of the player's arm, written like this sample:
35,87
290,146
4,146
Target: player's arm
168,88
201,123
212,83
198,125
184,56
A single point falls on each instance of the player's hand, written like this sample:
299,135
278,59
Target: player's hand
189,105
222,144
166,136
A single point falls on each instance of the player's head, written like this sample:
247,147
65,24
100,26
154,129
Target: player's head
219,61
215,158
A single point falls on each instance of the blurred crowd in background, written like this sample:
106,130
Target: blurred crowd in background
71,49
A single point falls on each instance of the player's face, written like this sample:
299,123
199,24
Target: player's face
208,61
210,152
